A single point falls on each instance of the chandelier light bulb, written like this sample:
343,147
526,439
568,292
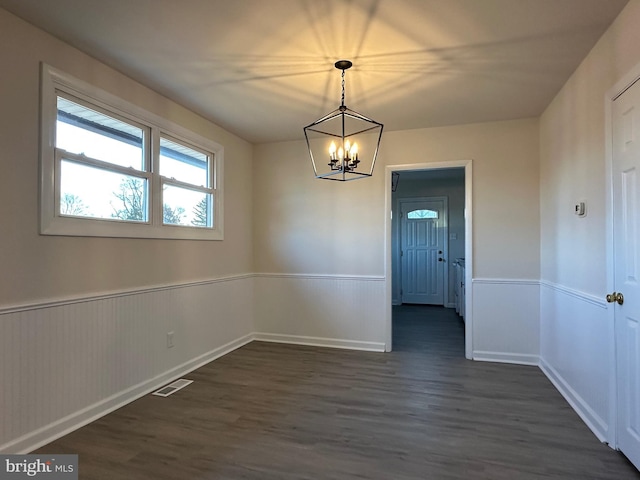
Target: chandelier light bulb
332,151
354,152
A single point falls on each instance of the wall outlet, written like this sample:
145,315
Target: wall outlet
170,340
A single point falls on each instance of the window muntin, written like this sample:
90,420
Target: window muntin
88,132
422,214
78,175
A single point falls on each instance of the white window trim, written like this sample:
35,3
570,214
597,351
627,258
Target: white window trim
53,80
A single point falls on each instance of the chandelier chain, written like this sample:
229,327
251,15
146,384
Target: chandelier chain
343,88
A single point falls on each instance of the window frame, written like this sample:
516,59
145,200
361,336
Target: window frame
54,82
173,182
431,217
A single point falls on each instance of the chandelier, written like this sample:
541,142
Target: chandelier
347,140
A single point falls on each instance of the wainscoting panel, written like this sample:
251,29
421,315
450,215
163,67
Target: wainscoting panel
575,352
506,320
322,310
67,362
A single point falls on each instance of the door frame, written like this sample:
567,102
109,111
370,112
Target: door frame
468,245
621,86
445,248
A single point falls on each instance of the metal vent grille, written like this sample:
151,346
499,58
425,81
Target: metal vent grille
172,387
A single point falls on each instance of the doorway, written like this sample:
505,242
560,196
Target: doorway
623,132
429,180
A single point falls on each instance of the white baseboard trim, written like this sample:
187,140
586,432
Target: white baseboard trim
33,440
320,342
500,357
597,425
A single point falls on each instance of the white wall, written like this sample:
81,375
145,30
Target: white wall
576,341
37,268
83,321
304,226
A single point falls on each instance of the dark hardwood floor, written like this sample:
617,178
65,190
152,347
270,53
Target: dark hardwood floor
269,411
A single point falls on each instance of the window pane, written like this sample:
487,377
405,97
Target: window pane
418,214
183,163
182,206
86,191
84,131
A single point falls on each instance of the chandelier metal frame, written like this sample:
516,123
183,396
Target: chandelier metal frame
344,168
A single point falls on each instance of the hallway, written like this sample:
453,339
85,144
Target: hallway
429,330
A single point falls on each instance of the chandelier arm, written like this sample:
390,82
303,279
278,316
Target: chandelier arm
359,116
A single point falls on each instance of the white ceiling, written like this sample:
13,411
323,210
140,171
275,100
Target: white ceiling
263,69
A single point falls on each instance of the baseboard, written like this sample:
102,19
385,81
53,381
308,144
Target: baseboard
320,342
33,440
597,425
500,357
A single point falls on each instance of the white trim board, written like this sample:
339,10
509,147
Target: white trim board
316,276
320,342
573,355
63,301
585,297
468,248
595,423
502,357
505,281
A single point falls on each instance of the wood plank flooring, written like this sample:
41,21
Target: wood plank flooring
269,411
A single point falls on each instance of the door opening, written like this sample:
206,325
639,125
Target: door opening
421,253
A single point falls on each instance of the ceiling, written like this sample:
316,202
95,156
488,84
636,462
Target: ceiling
263,69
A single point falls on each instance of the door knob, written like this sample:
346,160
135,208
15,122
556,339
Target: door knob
615,297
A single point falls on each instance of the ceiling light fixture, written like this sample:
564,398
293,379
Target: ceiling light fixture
347,139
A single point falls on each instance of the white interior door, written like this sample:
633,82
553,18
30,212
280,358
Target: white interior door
626,222
423,250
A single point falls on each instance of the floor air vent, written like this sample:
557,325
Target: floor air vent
172,387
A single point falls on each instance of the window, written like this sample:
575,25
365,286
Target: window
187,196
109,168
421,214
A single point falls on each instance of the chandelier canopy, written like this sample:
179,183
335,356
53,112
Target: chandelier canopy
348,140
